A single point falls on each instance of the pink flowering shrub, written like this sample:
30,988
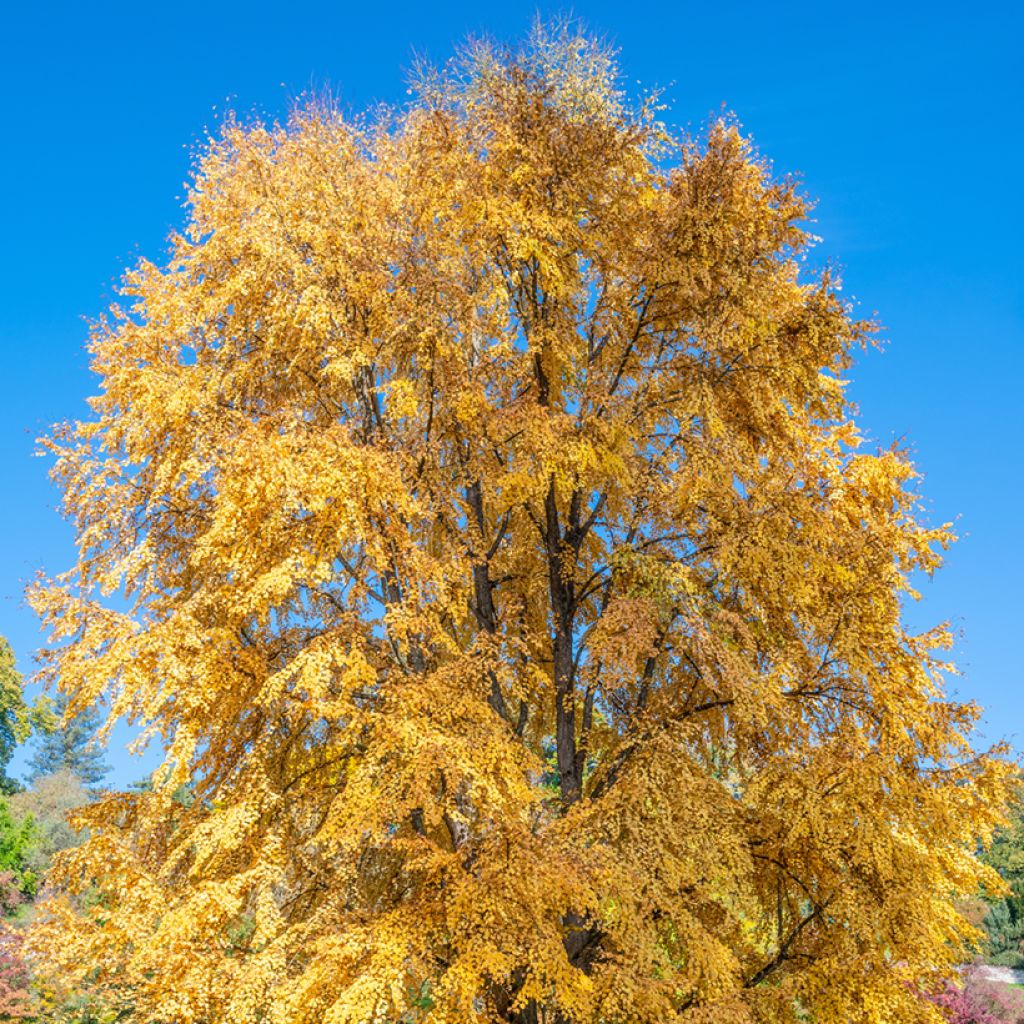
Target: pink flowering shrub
980,1001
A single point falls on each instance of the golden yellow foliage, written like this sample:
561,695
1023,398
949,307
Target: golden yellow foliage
510,584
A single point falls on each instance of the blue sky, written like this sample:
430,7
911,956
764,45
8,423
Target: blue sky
902,118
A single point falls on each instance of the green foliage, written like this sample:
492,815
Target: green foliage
69,744
86,1007
1008,958
18,836
15,716
48,801
1004,923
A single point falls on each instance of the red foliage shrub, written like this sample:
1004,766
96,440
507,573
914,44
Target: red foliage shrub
15,995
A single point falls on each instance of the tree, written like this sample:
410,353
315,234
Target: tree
15,716
18,839
70,744
1004,922
49,802
511,585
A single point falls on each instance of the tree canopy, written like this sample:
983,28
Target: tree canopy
510,584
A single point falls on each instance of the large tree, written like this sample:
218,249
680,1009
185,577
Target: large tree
511,586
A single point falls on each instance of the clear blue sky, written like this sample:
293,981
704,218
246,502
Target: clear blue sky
904,119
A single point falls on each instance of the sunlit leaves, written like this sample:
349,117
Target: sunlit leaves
511,586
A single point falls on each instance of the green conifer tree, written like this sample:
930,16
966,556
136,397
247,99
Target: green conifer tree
70,745
1004,922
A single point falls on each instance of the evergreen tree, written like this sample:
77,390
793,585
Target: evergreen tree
70,745
1004,923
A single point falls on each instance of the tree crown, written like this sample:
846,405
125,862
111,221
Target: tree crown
511,586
